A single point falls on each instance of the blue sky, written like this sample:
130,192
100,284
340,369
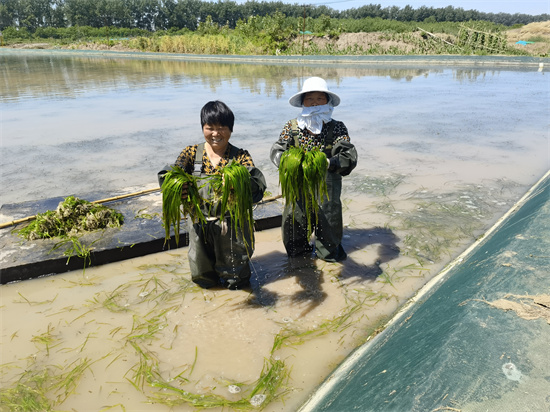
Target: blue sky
533,7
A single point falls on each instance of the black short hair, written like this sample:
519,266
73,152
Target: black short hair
217,113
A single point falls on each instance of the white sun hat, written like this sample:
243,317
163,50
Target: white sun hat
314,84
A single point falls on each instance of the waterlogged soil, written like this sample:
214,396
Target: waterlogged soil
438,166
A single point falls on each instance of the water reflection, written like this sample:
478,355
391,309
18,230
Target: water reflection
75,123
27,76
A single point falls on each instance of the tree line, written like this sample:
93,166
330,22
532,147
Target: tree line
174,15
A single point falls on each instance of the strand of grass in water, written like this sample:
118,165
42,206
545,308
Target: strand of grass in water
174,205
236,198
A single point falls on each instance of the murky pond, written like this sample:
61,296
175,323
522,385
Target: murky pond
444,150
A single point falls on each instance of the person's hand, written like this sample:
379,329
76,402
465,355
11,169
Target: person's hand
184,189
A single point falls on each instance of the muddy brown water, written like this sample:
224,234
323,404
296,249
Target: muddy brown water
444,151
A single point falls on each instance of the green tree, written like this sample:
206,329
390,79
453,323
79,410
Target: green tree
81,13
7,14
57,14
185,14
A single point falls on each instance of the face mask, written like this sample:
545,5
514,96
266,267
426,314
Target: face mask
312,118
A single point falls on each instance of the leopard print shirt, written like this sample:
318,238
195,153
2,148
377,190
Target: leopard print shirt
186,160
310,140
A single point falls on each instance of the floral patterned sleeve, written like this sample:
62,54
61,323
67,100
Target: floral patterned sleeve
286,133
340,132
186,159
244,158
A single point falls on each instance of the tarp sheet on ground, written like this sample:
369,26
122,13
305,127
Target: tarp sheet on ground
477,339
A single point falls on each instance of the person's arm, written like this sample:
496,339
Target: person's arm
280,146
257,179
186,157
162,173
344,154
257,183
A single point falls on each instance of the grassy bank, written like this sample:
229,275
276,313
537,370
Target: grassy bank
278,35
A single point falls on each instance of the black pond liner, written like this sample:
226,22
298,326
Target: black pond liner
449,348
141,234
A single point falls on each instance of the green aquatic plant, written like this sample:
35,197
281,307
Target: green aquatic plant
75,248
174,205
72,216
291,175
314,167
48,339
233,189
302,176
42,388
148,378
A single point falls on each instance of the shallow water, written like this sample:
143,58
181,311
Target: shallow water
444,151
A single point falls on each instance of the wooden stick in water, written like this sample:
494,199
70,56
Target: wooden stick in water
109,199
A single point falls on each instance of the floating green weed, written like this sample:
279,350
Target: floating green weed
435,229
42,388
116,300
377,185
47,339
147,377
113,406
44,302
439,222
148,327
294,336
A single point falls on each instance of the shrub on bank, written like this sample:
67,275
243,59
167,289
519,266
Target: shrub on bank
278,34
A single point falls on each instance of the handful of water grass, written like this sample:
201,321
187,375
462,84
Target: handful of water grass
235,193
174,205
302,176
291,176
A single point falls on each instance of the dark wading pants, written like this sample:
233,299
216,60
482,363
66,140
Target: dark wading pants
217,257
328,231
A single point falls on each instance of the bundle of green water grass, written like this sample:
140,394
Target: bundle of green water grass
174,205
302,176
232,190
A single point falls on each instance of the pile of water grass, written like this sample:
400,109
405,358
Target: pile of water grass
231,188
302,176
71,217
174,205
